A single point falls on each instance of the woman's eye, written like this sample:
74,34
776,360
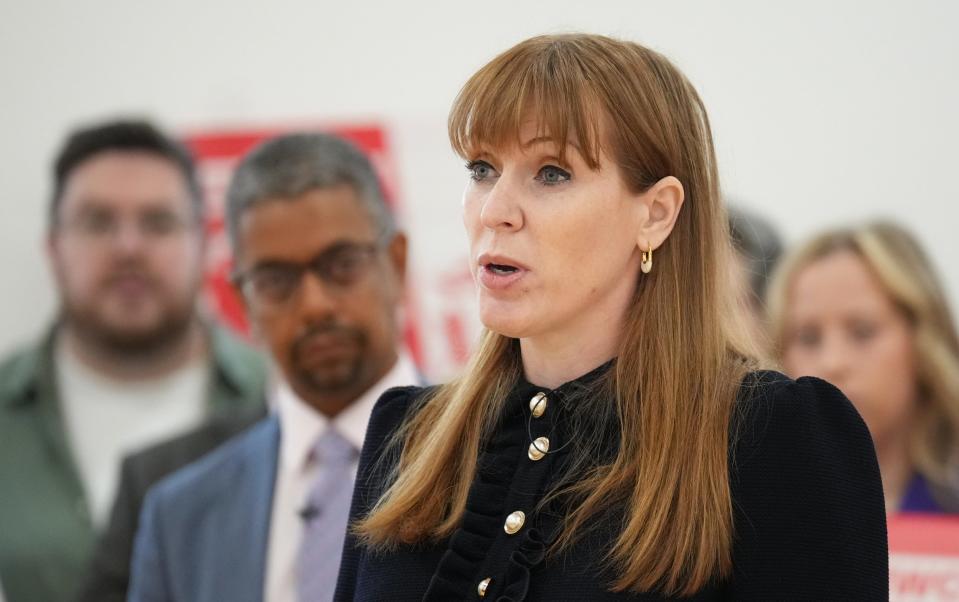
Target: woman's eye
480,170
550,174
807,337
862,332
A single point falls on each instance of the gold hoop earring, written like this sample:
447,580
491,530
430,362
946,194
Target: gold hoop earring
647,263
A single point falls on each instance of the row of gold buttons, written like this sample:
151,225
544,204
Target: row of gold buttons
537,450
539,447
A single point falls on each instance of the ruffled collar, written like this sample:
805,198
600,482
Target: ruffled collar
485,504
523,387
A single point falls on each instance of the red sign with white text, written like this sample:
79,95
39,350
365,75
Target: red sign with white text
923,558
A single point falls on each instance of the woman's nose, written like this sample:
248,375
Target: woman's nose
501,209
834,359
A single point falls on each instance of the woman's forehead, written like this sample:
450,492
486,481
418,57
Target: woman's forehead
534,133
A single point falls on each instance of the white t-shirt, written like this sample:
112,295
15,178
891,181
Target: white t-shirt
106,419
300,428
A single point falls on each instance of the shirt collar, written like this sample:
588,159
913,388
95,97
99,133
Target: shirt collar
301,425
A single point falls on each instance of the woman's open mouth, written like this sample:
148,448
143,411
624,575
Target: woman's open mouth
501,269
499,273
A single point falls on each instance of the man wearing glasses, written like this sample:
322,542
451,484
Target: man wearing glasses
128,362
320,265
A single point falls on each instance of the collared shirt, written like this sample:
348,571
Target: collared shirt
47,533
300,428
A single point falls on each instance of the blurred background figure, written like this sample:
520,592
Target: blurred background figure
863,308
128,361
320,265
758,249
108,578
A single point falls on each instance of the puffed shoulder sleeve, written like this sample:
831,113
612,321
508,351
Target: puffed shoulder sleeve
810,521
376,462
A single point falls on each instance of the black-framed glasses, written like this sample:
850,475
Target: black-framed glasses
338,268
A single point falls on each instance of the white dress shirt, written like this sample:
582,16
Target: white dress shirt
300,428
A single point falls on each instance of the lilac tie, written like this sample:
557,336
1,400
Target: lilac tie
328,509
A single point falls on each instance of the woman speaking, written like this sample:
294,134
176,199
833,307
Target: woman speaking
611,438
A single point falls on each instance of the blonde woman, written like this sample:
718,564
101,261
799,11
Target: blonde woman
609,439
862,307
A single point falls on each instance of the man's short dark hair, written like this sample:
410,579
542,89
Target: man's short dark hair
123,136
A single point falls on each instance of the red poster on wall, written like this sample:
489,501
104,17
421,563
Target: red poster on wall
217,153
923,558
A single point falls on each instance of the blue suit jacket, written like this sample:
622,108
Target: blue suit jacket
204,529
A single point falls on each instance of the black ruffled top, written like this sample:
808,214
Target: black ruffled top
498,554
512,477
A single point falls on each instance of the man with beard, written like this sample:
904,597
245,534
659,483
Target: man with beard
128,361
320,265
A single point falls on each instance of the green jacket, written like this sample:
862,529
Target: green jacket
46,536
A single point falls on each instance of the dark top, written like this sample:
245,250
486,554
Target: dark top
108,578
809,514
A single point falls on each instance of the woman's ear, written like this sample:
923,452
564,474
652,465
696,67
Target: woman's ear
662,203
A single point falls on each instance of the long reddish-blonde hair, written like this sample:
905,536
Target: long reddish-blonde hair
680,360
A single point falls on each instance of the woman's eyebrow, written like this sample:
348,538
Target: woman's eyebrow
550,139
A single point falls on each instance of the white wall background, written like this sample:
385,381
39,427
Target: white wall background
823,111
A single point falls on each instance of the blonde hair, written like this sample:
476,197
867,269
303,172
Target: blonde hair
680,363
907,277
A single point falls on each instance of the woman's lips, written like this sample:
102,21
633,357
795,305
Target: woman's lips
499,277
499,272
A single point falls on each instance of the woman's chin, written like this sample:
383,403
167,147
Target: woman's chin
500,320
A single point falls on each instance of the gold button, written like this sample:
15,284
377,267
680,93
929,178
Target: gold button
537,405
514,522
481,588
538,448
